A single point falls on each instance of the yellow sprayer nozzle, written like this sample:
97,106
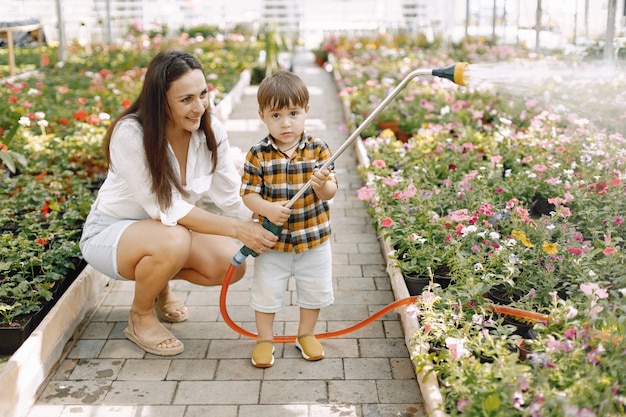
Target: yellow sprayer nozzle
453,72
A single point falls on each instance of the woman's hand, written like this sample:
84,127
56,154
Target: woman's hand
256,237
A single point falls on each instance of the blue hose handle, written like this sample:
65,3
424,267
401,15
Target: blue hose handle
245,251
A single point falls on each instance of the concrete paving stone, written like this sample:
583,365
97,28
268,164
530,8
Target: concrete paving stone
334,348
86,349
233,349
366,258
101,313
345,311
376,308
393,410
119,298
65,369
203,313
393,329
212,410
335,410
300,369
341,259
144,370
74,392
203,330
382,283
97,369
119,349
352,391
140,392
353,236
345,247
364,297
402,368
237,370
372,330
194,349
191,370
356,283
383,348
395,391
367,368
369,248
375,271
97,330
122,411
285,410
118,329
43,410
217,392
347,271
240,313
293,392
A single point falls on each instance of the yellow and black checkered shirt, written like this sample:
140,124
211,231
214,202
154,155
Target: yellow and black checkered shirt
277,177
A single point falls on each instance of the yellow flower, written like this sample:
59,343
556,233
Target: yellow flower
521,236
387,134
550,248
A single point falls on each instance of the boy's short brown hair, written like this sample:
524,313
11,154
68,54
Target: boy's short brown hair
282,89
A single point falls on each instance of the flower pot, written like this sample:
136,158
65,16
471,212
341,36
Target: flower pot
393,125
416,284
500,295
524,349
12,337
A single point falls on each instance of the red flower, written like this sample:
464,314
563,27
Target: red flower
13,99
80,115
42,241
126,103
45,210
64,121
93,119
81,100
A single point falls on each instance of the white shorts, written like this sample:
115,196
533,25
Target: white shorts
98,244
312,270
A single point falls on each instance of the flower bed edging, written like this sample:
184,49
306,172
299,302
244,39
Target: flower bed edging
429,387
31,364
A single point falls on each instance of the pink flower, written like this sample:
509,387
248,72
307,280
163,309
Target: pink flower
386,222
365,193
379,163
391,182
609,251
540,168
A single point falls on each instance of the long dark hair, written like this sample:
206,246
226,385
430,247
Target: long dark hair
151,110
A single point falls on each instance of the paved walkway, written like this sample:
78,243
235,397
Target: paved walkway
367,373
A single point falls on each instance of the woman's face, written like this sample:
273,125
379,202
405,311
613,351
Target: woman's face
188,99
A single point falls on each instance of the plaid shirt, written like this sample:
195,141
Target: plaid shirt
276,177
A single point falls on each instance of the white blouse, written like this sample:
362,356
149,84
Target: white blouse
126,194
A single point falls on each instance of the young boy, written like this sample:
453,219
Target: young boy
275,170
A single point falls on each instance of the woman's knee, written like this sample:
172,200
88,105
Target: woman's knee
176,242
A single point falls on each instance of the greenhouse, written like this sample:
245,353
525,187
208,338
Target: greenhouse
455,170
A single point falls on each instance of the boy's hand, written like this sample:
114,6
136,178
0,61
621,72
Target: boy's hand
277,213
319,178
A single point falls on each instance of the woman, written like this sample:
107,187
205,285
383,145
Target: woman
163,152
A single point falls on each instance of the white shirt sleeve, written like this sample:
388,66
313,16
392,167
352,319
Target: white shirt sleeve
130,167
226,182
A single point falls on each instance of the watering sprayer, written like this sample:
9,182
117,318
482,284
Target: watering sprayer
455,73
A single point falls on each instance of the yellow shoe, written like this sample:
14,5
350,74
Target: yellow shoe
263,354
310,348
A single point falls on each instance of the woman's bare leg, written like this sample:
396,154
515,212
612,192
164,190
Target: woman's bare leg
151,253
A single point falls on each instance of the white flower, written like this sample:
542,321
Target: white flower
24,121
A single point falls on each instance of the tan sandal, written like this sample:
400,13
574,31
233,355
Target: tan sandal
152,338
263,354
171,309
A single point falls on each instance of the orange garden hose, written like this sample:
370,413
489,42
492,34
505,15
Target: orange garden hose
292,338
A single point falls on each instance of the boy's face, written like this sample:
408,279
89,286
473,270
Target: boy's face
286,125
